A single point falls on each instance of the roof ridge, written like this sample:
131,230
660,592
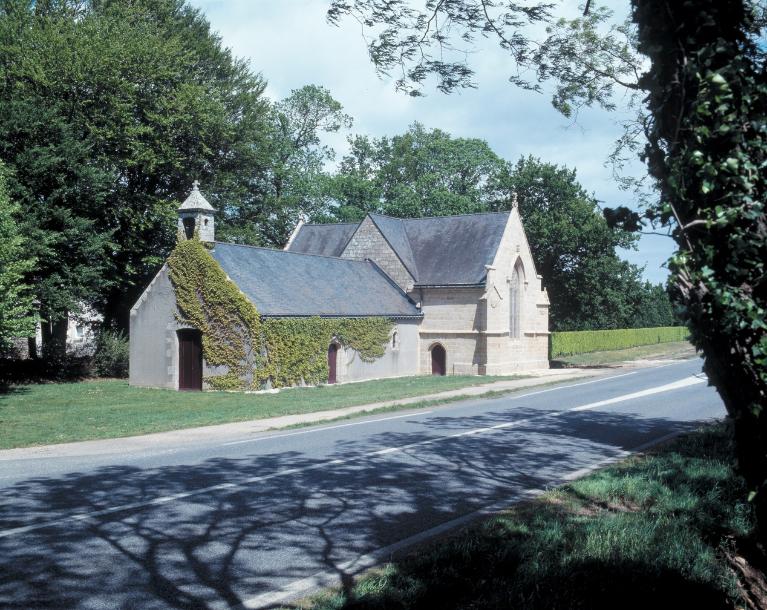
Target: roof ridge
330,224
279,251
434,217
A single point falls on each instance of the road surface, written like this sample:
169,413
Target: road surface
262,519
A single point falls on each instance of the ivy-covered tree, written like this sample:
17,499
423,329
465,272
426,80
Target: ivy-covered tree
108,111
16,306
704,124
707,151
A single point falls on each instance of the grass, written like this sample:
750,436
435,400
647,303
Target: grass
649,532
658,351
64,412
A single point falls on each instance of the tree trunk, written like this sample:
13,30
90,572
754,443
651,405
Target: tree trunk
54,337
32,348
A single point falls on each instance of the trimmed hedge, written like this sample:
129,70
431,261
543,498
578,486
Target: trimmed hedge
584,341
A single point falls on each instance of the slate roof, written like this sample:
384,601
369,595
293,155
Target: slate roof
196,201
281,283
453,250
325,240
437,251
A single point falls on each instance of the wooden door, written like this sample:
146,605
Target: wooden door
332,362
438,360
189,360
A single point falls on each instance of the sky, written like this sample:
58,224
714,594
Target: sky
291,44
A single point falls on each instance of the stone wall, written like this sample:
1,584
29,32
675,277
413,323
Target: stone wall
529,350
455,319
154,344
367,242
400,359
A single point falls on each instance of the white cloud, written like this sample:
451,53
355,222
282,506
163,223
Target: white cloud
291,44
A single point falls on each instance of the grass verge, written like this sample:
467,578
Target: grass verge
652,531
659,351
64,412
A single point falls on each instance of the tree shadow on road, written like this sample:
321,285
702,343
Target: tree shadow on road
217,533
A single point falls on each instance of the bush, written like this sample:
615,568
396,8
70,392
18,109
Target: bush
585,341
111,357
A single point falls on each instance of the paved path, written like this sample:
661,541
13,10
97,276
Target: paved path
254,521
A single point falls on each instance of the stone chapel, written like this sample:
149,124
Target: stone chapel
461,291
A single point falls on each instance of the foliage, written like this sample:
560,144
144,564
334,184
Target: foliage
586,57
16,306
112,354
583,342
419,173
707,150
252,351
108,111
297,347
208,301
291,180
589,285
651,531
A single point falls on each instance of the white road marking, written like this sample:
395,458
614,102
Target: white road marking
682,383
359,423
341,461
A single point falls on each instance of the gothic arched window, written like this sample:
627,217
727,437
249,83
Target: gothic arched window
515,300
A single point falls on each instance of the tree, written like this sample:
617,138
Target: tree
291,180
16,306
108,111
707,151
574,249
419,173
705,147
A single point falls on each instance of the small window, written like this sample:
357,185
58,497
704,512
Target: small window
515,300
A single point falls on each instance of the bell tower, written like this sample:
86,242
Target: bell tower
196,214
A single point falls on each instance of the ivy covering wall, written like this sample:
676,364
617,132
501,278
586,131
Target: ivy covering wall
256,351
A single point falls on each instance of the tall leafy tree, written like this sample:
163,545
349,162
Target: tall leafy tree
16,306
108,111
574,249
423,172
291,180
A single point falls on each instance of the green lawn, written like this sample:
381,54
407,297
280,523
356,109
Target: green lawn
657,351
63,412
651,532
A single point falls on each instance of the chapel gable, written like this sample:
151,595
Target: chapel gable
368,242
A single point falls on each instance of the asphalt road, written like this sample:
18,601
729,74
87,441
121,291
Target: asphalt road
258,520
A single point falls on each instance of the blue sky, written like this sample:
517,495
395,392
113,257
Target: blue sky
291,44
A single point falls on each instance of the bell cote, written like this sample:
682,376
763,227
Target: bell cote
196,214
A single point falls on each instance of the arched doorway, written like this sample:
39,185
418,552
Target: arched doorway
332,362
189,360
438,360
